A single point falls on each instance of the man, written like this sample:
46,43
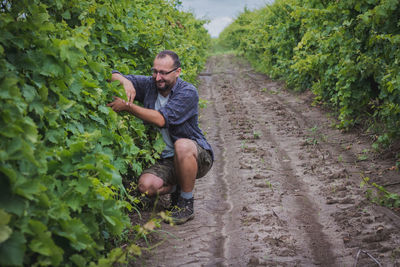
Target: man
171,104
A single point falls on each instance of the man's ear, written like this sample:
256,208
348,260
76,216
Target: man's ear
178,72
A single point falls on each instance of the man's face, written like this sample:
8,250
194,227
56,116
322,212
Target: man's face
164,73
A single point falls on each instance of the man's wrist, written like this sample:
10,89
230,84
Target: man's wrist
129,107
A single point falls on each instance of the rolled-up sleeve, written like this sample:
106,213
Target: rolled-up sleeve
181,106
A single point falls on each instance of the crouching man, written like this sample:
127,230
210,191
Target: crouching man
172,105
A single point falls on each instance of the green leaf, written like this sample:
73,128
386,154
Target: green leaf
55,136
8,88
43,244
64,103
59,210
15,204
98,119
41,17
4,217
69,53
29,92
77,233
74,201
103,109
51,67
5,231
76,87
135,250
12,251
9,172
30,189
78,260
80,43
117,255
83,185
66,15
8,201
159,145
43,92
30,130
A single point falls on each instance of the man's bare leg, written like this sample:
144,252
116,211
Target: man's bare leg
185,162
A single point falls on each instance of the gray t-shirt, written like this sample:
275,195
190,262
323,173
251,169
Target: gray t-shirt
169,149
180,112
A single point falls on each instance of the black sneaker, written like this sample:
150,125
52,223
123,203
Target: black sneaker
183,211
174,197
146,203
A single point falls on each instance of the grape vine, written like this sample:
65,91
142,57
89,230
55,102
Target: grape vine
63,152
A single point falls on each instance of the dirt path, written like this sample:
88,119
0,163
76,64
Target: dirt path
285,188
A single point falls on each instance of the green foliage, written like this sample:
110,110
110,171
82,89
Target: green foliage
63,153
380,195
346,52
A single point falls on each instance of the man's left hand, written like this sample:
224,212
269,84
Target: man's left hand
118,104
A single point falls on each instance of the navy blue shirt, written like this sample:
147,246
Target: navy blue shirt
181,111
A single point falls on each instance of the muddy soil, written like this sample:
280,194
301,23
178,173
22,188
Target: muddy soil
285,187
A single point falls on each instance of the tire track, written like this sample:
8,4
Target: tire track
274,196
200,242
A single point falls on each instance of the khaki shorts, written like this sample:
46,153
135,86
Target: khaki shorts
164,168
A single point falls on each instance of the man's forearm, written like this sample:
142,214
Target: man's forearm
148,115
118,77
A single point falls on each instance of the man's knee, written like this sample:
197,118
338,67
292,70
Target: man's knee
149,184
185,147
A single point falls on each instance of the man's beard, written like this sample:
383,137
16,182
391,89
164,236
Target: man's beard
164,88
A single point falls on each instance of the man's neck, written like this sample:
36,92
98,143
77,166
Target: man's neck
164,93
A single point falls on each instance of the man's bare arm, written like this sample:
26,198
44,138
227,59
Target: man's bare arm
148,115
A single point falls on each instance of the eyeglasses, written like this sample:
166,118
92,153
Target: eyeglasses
161,72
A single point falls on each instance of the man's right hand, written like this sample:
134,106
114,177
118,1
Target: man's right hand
128,86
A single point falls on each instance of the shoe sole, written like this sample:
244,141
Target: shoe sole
180,221
183,220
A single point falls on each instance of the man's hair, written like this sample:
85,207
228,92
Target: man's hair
172,54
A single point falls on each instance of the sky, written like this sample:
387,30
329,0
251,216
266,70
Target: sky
220,12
